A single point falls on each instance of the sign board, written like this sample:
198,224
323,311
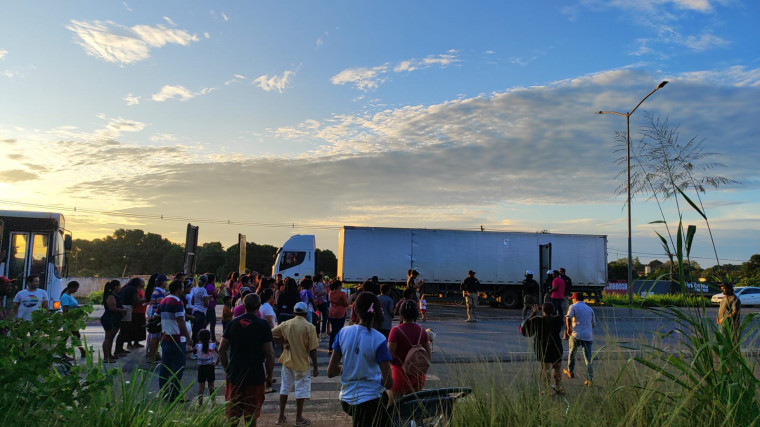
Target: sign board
191,247
241,249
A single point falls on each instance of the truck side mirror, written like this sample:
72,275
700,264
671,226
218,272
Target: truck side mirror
67,242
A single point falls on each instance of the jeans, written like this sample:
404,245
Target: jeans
586,347
323,308
335,326
171,369
557,303
198,324
471,299
211,320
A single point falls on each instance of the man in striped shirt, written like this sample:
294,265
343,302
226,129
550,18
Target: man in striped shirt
175,341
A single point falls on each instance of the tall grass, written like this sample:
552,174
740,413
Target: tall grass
665,300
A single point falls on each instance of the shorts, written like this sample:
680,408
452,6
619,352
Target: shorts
529,300
244,400
297,382
206,374
405,384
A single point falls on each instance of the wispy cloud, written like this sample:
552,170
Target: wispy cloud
123,45
367,79
17,175
131,99
178,92
278,83
236,78
3,52
225,17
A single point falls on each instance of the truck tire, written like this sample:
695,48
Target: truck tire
510,298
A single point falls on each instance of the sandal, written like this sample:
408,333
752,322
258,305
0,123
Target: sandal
305,422
281,423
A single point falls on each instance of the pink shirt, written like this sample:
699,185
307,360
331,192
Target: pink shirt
559,285
239,310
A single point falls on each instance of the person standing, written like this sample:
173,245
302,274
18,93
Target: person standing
337,312
199,301
412,283
401,340
250,364
29,300
69,303
530,293
366,370
213,295
266,311
299,341
111,318
321,303
557,293
546,344
7,290
386,303
128,300
175,341
568,281
137,332
730,310
158,294
580,324
470,286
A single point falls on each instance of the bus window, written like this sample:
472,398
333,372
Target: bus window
40,247
17,258
291,259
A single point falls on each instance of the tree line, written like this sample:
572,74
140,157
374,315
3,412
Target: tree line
135,252
744,274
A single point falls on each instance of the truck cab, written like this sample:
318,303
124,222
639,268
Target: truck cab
296,258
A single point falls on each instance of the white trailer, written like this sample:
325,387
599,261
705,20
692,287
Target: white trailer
443,258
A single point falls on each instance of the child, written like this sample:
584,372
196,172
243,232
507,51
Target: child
423,306
226,312
206,352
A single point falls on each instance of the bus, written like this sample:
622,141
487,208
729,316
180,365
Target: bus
34,243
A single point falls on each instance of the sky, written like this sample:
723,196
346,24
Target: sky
270,118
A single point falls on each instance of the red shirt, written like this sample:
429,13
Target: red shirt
414,333
338,305
142,306
559,285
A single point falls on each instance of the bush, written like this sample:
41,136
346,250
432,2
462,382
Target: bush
95,298
666,300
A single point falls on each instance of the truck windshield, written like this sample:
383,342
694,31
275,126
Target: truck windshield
291,259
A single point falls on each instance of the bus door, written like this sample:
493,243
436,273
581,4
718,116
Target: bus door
28,255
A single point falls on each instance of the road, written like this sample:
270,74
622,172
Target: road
494,338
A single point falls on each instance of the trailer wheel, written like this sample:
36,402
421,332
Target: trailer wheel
510,299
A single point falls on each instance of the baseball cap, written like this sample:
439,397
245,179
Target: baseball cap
576,295
5,279
470,272
300,307
528,272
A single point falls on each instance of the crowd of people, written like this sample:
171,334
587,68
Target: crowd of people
176,320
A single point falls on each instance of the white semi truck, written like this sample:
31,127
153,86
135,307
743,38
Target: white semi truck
443,258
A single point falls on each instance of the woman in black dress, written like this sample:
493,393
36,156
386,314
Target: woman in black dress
546,327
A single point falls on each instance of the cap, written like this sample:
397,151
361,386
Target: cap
162,278
5,279
300,307
528,272
470,272
188,282
576,295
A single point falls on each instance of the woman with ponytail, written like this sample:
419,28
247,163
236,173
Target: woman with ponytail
366,371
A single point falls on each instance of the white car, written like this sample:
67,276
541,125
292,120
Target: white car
748,295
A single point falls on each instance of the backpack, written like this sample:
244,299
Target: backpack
417,360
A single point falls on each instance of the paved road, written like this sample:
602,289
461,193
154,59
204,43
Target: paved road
495,337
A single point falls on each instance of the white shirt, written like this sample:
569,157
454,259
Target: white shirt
583,320
265,311
28,302
196,299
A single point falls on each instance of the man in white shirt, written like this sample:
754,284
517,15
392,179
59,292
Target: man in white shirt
199,304
29,300
580,323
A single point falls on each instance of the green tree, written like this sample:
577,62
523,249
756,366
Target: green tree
327,262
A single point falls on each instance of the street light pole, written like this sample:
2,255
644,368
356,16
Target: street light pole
628,181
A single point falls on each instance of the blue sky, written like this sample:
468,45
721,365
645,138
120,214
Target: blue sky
410,114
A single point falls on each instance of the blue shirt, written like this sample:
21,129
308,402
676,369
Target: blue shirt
68,301
362,351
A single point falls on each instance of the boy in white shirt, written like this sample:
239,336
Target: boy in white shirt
30,300
580,323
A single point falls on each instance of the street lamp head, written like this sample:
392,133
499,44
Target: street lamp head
664,82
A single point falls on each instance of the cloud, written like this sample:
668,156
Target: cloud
123,45
3,52
278,83
169,21
132,100
173,92
319,43
704,42
225,17
16,175
366,79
